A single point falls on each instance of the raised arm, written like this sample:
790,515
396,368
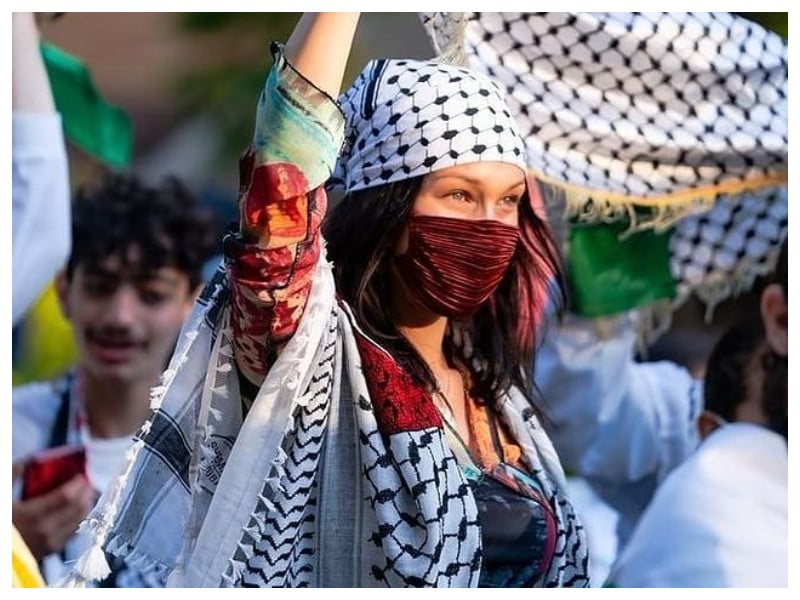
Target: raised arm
319,46
30,91
40,181
299,130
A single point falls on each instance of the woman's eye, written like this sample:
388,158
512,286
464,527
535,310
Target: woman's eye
458,195
510,200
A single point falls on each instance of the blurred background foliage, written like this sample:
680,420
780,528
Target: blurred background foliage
775,21
228,90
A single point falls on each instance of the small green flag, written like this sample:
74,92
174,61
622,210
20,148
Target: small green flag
608,275
96,127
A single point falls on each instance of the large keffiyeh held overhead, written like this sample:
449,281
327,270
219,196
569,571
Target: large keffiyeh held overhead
641,120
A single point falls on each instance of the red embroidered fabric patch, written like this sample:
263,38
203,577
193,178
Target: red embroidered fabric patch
399,403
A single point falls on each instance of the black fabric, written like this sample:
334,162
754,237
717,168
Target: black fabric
58,434
518,528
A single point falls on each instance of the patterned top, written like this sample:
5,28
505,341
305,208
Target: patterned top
518,525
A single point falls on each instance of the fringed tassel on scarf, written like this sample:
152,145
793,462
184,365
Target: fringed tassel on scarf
654,320
93,565
209,417
715,290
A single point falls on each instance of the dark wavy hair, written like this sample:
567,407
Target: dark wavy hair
361,232
165,222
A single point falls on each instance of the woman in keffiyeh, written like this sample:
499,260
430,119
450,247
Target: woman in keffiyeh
361,414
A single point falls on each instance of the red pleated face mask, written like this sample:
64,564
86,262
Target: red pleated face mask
452,266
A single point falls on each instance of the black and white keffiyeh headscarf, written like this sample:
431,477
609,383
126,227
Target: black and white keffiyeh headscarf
407,118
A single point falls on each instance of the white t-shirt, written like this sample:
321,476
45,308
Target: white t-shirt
105,458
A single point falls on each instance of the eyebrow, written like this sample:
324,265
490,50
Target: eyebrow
472,181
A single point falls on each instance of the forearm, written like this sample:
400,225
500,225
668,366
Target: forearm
30,91
40,199
269,292
319,46
40,180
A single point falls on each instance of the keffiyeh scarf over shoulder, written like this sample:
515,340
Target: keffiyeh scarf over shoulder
325,483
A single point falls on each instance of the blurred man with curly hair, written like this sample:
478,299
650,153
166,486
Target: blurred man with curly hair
129,283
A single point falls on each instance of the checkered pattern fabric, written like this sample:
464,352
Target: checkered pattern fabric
398,128
718,254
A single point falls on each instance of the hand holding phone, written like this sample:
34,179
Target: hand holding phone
48,520
51,468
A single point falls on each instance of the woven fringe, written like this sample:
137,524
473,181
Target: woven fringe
93,564
654,320
588,210
207,418
141,562
657,213
715,290
650,323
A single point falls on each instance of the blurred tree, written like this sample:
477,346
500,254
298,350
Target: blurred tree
228,90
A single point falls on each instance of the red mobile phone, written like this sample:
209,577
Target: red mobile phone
51,468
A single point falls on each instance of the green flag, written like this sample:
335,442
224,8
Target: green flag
608,275
96,127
